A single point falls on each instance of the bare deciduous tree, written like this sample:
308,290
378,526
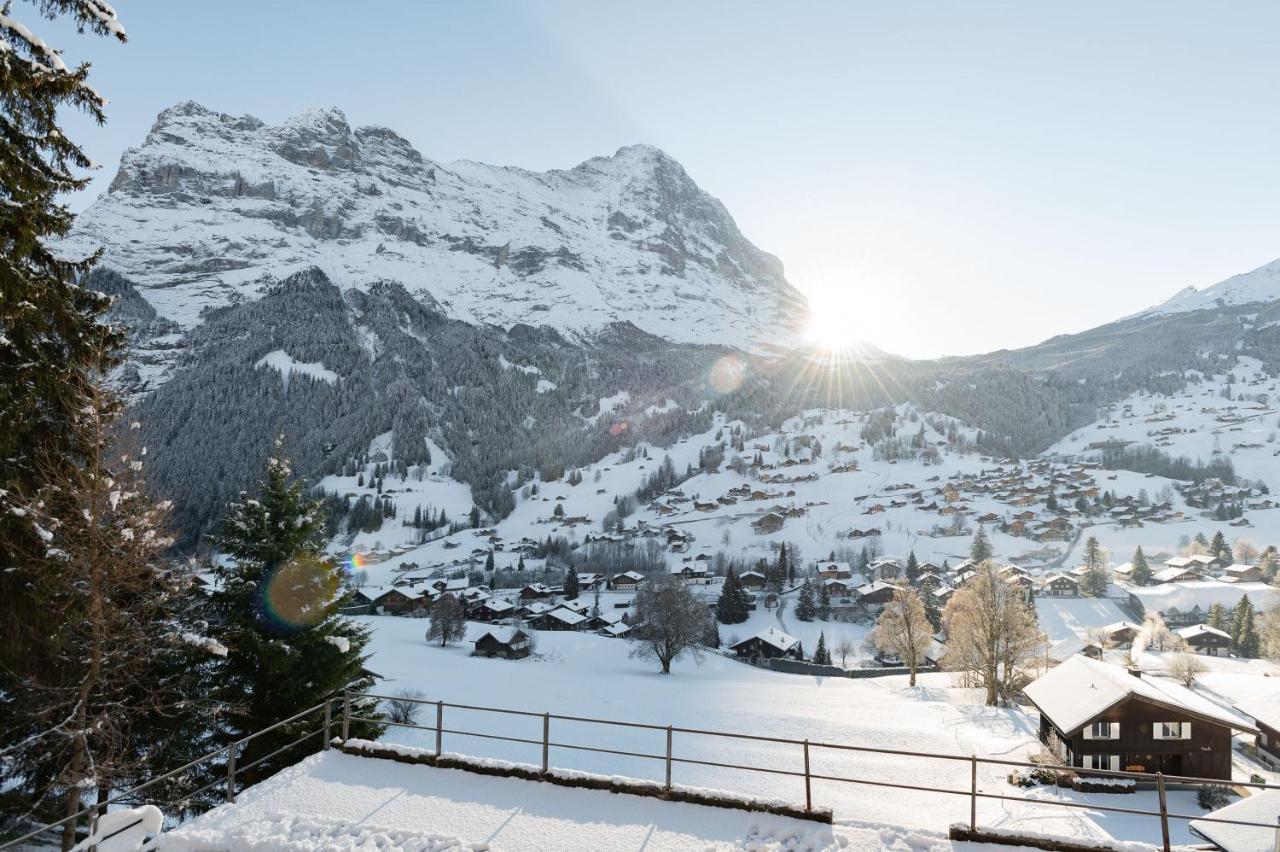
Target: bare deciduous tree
1246,552
404,708
673,622
991,633
1185,668
904,630
448,621
843,649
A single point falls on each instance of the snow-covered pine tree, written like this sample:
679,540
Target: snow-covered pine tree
805,609
733,604
980,550
276,605
820,654
53,344
824,602
571,587
913,567
122,689
1141,574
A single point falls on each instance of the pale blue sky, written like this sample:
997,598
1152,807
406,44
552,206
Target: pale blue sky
944,177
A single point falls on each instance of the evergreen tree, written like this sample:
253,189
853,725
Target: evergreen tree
571,587
932,611
713,634
1218,547
488,563
1141,570
1249,644
805,609
980,550
733,607
1218,618
820,654
473,517
913,567
1095,578
824,602
276,606
53,343
1242,622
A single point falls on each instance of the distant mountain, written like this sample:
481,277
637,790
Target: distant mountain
211,208
1260,286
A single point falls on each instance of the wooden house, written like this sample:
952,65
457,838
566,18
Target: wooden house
510,643
558,619
492,609
751,580
396,602
770,522
875,595
836,588
770,643
1265,711
627,581
1119,634
1242,573
1094,715
535,592
1176,575
1059,586
1203,639
834,571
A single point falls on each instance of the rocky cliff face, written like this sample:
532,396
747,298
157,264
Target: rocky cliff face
212,208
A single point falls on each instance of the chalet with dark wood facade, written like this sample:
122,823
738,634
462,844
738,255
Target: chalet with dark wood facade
1094,715
1060,586
1203,639
770,643
397,602
1265,711
510,643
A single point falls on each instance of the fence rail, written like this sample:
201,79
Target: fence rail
669,759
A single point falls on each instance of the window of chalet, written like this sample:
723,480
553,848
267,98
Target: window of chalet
1102,731
1102,761
1171,730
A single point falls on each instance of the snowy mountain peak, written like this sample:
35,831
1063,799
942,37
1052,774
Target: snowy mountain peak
1262,285
212,206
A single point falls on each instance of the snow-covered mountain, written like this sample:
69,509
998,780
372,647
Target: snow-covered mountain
1260,286
212,206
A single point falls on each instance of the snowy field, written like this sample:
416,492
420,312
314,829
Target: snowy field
335,801
585,675
1075,618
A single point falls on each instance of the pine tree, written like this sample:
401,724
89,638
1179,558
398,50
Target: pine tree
53,344
571,587
932,611
277,604
824,602
488,563
1218,547
1095,579
1218,618
980,550
1242,622
820,654
1249,645
805,609
913,567
1141,574
733,607
473,517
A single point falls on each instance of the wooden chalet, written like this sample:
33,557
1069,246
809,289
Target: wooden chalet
834,571
1265,711
751,580
770,522
875,595
535,592
1206,640
770,643
1119,634
492,609
397,602
558,619
1176,575
1059,586
1242,573
1094,715
510,643
627,581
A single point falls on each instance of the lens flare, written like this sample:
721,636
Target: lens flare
728,374
296,595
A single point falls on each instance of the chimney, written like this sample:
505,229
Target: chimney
1135,671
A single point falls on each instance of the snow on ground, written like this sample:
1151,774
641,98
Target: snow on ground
284,363
587,675
336,801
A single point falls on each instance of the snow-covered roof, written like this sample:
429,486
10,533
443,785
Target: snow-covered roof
1164,575
1080,689
775,637
568,616
1201,629
1261,807
1116,627
872,588
1264,708
504,635
1204,594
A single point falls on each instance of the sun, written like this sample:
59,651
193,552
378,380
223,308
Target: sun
836,324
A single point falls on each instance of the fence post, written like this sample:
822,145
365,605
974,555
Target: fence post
328,722
1164,812
346,714
439,727
231,771
668,758
808,791
546,740
973,794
